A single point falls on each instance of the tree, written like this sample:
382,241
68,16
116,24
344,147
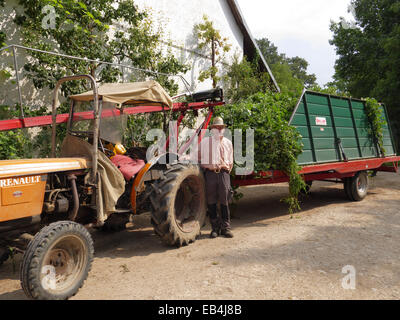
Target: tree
100,30
330,88
299,67
243,79
83,28
214,45
287,82
4,74
291,73
369,53
270,51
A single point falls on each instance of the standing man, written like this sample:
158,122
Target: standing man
216,158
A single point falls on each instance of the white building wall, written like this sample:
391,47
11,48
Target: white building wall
178,18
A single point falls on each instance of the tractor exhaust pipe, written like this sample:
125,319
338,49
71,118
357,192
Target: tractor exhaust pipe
72,178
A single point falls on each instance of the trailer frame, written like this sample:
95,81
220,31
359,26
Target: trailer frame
322,172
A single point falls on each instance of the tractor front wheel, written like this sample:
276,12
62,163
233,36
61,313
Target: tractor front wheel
57,261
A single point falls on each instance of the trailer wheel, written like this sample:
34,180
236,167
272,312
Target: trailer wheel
179,205
57,261
347,188
359,186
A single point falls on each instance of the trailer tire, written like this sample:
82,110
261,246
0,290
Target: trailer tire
179,205
347,188
57,262
359,186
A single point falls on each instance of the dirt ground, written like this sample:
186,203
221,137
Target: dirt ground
273,255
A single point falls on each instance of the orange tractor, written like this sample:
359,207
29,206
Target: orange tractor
48,205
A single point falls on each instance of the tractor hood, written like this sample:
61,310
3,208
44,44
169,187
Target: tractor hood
14,168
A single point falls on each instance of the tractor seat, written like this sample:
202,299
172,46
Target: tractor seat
128,166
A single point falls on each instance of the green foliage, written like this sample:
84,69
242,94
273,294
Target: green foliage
331,89
18,144
270,52
2,39
83,29
13,144
290,73
4,74
243,79
214,45
277,144
377,119
369,54
139,125
287,82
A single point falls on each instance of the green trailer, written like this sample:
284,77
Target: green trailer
339,145
337,129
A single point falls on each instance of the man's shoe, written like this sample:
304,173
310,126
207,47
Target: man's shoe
214,234
227,233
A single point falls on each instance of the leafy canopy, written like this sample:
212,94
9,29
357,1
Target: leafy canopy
243,79
100,30
290,73
369,53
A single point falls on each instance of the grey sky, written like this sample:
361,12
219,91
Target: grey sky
299,28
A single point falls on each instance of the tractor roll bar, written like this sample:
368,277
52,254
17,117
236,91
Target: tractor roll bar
96,119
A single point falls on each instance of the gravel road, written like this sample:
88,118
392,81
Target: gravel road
273,255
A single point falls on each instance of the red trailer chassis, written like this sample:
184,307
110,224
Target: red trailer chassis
323,172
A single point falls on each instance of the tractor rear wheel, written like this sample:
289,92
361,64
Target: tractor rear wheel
179,205
57,261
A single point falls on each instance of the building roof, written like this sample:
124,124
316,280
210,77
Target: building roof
250,46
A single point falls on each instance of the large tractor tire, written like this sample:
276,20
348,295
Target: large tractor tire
57,261
179,205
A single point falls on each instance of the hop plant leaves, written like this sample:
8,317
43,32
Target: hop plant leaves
377,119
277,144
